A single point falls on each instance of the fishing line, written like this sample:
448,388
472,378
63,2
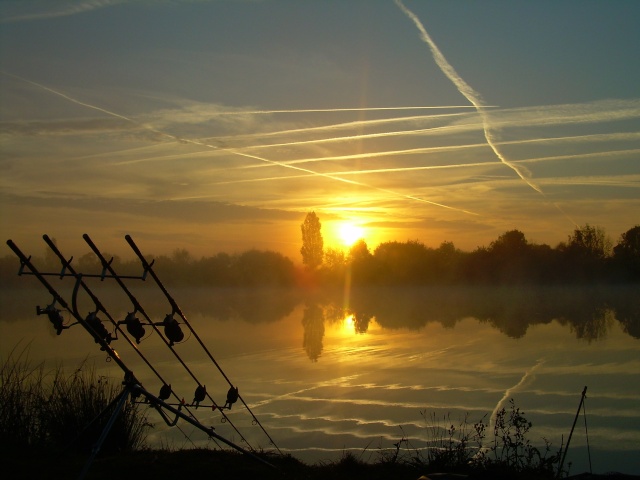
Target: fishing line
66,264
132,385
139,308
586,432
174,305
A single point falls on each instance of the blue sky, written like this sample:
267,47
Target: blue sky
216,125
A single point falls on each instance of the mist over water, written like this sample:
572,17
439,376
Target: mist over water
329,374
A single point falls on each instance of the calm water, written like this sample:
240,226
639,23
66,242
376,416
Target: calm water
360,372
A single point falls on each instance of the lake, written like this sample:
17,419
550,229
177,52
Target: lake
329,373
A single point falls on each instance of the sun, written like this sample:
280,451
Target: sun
350,233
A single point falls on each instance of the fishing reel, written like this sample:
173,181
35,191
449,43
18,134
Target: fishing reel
134,326
100,332
172,329
55,317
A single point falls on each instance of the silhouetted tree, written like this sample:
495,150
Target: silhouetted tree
446,262
510,243
476,266
509,257
403,262
626,254
264,268
359,251
585,253
216,270
334,266
89,263
590,242
181,256
362,262
334,259
312,243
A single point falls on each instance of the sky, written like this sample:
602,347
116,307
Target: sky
216,126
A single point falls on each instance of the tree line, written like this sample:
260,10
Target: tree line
587,256
247,269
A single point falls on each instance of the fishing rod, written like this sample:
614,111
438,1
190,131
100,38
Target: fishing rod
200,392
148,268
66,266
566,449
209,431
90,326
131,383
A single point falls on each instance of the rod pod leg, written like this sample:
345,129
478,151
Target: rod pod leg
96,448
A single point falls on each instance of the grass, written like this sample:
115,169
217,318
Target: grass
49,422
53,411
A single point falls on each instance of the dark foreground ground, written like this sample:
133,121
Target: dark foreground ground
210,464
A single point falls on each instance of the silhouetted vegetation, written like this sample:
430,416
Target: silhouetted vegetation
55,411
57,419
57,416
312,243
501,450
586,257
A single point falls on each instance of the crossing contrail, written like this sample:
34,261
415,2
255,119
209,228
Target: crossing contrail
358,124
469,93
366,172
364,136
232,150
383,153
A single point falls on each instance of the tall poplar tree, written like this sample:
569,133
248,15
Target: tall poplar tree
312,243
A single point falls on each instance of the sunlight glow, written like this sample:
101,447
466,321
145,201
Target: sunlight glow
350,233
347,326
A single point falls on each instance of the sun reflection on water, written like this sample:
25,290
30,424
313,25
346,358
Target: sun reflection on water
348,324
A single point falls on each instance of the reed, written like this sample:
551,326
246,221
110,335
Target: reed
42,409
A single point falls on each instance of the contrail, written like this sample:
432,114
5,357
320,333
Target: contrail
364,136
344,126
233,151
93,107
383,153
353,182
365,172
526,379
468,92
331,110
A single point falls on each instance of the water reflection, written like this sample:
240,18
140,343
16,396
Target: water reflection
588,313
313,323
328,373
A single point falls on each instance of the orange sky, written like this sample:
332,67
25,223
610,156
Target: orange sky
216,126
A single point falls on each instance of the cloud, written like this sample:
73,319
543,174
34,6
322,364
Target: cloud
33,10
77,126
204,212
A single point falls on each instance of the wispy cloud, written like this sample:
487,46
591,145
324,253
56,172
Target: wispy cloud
232,151
30,10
